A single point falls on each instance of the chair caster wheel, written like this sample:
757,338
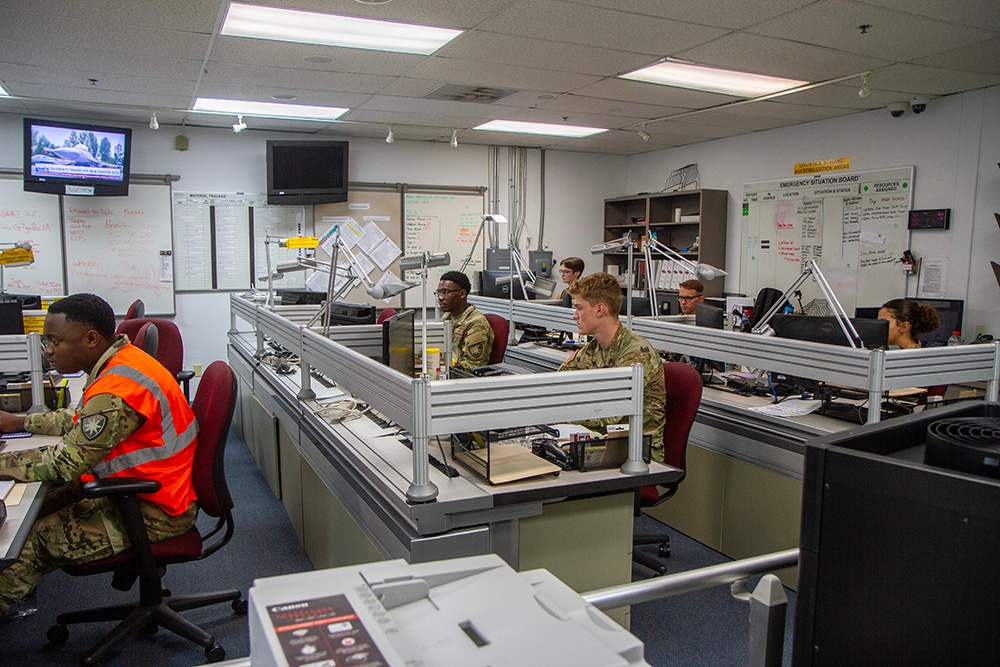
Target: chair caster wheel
215,653
240,606
665,550
57,634
151,628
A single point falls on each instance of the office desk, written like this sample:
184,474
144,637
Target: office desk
20,517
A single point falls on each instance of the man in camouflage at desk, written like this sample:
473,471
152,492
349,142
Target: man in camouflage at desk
471,333
597,299
134,422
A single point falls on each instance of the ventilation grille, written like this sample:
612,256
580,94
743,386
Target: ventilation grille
453,92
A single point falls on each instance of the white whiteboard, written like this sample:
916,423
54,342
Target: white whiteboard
32,217
120,248
853,224
441,223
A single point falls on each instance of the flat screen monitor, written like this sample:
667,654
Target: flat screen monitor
949,312
342,313
496,283
306,172
707,315
397,343
11,318
874,333
65,158
640,307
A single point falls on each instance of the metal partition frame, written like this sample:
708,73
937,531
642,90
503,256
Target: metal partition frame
438,407
873,370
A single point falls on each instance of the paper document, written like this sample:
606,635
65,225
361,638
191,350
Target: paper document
793,407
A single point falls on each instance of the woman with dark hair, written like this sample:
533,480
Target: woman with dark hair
907,320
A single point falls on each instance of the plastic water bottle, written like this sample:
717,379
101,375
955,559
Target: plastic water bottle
954,339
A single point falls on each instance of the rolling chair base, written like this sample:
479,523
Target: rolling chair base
136,617
646,559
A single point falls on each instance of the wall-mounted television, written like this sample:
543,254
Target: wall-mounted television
64,158
306,172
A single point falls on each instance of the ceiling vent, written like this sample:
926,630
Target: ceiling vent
453,92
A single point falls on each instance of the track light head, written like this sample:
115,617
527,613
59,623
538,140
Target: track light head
153,123
454,139
644,135
865,90
389,138
239,126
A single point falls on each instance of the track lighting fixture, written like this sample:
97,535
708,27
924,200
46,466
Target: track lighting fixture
865,90
644,135
454,139
240,125
389,138
153,123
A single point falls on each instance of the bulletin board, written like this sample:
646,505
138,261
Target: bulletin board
442,222
363,208
121,248
853,224
32,217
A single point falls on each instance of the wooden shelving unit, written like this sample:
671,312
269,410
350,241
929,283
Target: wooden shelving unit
692,222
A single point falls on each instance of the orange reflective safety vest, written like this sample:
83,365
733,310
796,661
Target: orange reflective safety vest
162,448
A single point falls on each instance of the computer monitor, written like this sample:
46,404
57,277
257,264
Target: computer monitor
299,297
897,561
707,315
11,318
397,343
497,284
640,307
949,312
873,333
342,313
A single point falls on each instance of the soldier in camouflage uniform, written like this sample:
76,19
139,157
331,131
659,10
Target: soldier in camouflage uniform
597,299
471,333
79,333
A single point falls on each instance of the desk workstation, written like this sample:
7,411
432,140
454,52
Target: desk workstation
356,493
742,492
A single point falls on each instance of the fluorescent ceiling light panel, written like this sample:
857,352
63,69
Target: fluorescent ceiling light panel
3,91
711,79
548,129
289,25
268,109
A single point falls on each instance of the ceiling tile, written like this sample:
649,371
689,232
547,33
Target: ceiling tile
721,13
448,70
981,57
976,13
651,93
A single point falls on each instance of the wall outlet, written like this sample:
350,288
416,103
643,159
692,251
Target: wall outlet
197,370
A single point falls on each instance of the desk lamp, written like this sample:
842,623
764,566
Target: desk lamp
811,269
627,242
697,269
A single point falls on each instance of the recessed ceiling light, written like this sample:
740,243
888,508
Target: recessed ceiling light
288,25
268,109
284,98
373,2
549,129
711,79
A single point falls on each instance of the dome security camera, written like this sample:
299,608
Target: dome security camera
918,104
897,109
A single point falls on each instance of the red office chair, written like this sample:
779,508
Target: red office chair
137,309
683,385
385,314
213,407
169,351
147,338
501,329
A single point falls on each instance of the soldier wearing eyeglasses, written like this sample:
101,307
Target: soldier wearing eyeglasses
471,333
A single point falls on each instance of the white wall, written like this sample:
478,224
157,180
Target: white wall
954,145
220,161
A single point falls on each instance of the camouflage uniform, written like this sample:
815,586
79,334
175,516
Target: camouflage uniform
627,348
72,529
471,338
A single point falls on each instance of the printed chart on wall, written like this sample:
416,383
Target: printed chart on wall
31,217
219,240
120,248
853,224
442,223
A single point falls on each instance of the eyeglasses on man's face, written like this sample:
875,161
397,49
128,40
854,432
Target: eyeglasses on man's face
442,293
566,271
688,298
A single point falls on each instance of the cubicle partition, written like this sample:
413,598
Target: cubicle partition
23,352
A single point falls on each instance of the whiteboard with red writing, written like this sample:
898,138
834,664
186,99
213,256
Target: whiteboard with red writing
31,217
121,248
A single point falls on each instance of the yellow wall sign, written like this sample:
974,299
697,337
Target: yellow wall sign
17,256
302,242
819,166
